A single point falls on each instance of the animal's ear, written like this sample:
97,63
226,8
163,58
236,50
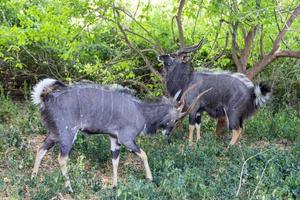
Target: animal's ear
164,58
186,59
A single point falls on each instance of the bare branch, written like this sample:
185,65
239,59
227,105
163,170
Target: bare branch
246,51
293,54
130,45
242,171
140,25
235,48
179,24
288,24
219,55
275,52
172,28
197,16
261,41
278,27
139,35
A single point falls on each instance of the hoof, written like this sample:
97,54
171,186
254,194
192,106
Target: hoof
70,190
33,175
150,179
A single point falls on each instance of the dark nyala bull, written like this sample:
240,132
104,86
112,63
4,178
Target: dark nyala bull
91,109
232,97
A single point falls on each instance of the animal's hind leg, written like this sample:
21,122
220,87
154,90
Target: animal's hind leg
115,151
221,127
47,144
66,142
131,146
63,160
236,133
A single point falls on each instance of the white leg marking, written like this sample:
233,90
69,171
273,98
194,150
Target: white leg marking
39,156
115,163
144,158
114,146
64,169
191,133
198,126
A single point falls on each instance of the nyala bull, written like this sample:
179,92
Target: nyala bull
93,109
232,97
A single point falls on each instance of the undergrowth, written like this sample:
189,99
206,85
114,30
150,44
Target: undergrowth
270,144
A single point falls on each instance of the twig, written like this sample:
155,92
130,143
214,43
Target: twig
261,176
243,166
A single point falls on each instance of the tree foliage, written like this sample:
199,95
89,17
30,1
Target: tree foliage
118,41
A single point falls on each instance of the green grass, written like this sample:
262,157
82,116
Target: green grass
205,171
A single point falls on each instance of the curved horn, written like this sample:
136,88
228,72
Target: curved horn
189,49
194,103
176,95
183,96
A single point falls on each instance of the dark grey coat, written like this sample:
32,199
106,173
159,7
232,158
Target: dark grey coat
231,94
94,109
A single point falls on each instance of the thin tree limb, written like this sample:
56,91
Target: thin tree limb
235,48
179,24
242,170
130,45
275,52
219,55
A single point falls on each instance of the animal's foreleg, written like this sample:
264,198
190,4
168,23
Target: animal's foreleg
198,131
198,126
48,144
144,158
115,151
191,133
236,133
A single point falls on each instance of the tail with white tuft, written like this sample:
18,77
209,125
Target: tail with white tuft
262,94
44,87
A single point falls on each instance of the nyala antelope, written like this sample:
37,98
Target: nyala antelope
95,109
232,97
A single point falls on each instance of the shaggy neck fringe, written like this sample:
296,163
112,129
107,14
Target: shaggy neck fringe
154,114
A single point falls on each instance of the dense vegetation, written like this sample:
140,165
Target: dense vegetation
117,42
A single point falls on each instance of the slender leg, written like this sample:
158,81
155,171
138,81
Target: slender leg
63,160
221,127
143,156
115,151
48,144
132,147
236,133
198,122
191,133
66,141
198,136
